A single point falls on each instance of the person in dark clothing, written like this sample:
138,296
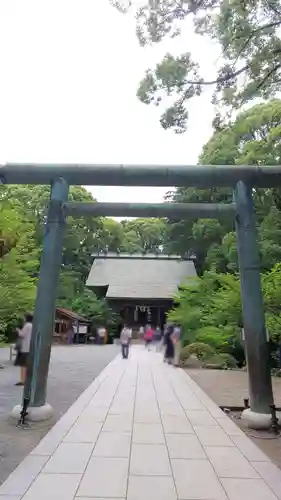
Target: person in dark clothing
169,345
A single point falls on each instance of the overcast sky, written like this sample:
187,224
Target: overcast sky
69,75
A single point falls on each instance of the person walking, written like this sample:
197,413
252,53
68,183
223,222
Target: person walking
141,332
176,337
70,335
169,344
23,346
158,338
148,336
125,338
102,335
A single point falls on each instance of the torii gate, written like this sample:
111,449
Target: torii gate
241,178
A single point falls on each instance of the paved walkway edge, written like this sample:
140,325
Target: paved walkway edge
144,430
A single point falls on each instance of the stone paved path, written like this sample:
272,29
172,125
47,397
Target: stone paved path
72,370
144,431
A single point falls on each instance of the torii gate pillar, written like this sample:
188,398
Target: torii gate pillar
44,312
255,335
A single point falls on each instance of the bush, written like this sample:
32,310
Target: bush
220,361
3,340
216,337
229,360
192,362
198,349
214,362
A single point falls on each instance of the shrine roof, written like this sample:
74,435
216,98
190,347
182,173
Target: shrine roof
140,276
67,313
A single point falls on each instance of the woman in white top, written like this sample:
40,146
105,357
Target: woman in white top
24,346
102,334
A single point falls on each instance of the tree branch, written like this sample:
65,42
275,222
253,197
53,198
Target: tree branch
276,11
221,79
273,70
260,28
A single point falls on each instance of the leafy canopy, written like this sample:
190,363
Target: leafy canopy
253,138
249,66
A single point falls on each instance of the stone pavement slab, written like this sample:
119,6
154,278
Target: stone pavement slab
72,370
144,430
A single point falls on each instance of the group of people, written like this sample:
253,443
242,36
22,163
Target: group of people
169,338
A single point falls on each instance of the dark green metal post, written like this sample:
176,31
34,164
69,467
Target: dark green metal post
256,345
43,321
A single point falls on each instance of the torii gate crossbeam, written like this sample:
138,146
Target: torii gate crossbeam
141,175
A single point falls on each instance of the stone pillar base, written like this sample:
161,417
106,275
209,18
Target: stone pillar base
257,421
35,413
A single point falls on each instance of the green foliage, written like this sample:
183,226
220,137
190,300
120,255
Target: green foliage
18,259
132,236
3,341
17,291
272,302
188,309
197,236
253,138
23,215
87,304
223,359
215,337
220,361
143,235
210,312
198,349
23,212
249,35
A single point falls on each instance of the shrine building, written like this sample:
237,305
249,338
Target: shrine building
140,287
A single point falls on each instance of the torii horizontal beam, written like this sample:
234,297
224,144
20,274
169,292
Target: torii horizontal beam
141,175
171,210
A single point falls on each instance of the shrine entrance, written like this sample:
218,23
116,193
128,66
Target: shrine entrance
145,314
243,179
140,288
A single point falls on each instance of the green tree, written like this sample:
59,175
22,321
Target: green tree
23,217
17,292
147,235
135,235
249,35
272,301
111,235
209,309
251,139
194,237
95,309
18,259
